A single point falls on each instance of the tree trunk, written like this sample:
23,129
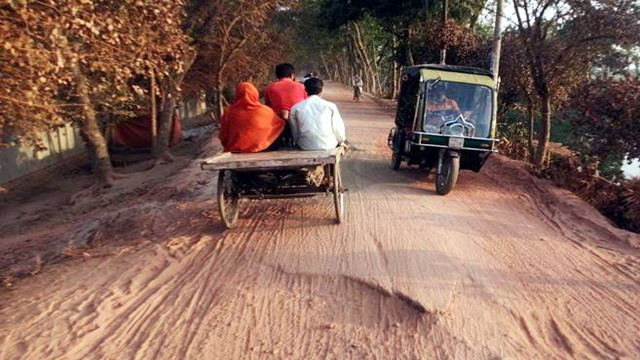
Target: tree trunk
165,121
445,16
219,103
325,67
531,123
90,131
395,79
170,93
395,69
497,42
407,47
368,65
356,56
545,133
154,110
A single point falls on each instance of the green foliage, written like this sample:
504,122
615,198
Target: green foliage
605,115
619,201
513,135
405,20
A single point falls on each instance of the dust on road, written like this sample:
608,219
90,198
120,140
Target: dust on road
505,266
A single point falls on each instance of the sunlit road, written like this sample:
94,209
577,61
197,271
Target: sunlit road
505,266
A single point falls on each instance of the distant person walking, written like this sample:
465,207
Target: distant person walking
356,82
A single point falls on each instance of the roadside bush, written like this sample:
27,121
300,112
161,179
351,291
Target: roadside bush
631,196
513,135
620,202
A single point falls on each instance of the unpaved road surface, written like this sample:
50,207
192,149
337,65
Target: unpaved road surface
506,266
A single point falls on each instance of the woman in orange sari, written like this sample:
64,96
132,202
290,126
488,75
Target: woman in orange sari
247,125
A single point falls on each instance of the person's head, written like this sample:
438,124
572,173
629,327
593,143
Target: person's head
438,91
313,86
285,71
245,91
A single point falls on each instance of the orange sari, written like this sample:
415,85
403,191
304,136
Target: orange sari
247,125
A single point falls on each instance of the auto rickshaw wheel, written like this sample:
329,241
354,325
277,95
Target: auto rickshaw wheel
396,151
448,176
338,193
227,199
396,161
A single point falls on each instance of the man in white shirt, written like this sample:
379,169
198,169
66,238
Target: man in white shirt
316,123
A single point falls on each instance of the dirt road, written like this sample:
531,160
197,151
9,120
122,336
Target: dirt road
505,266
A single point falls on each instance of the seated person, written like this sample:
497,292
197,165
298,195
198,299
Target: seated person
316,123
247,125
281,95
439,102
438,108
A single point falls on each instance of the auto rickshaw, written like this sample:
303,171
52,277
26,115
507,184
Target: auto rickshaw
446,119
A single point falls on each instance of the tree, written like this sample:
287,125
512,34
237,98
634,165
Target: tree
83,55
517,89
605,114
561,40
394,34
226,39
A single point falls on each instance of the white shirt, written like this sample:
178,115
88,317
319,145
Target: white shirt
316,124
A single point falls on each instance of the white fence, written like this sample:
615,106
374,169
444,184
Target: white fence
62,144
18,161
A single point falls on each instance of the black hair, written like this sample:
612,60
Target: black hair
313,86
284,70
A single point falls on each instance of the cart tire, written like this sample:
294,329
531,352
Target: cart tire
447,178
227,199
338,193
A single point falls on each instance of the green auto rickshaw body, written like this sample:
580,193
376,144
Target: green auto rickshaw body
414,142
424,134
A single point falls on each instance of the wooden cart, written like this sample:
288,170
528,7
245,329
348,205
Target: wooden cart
276,174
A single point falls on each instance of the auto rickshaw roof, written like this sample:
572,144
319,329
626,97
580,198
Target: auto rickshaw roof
453,73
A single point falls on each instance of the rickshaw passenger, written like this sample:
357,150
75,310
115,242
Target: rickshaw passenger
282,94
247,125
316,123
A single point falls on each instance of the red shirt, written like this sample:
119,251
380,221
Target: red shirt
283,94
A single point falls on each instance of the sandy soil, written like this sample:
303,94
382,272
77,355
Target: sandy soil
506,266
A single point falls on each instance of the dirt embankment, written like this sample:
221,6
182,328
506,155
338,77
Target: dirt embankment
506,266
59,214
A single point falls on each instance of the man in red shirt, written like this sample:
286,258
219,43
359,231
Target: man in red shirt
282,94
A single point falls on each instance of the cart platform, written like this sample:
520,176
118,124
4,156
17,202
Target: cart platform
272,159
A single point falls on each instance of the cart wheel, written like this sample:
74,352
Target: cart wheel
338,193
227,199
448,176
